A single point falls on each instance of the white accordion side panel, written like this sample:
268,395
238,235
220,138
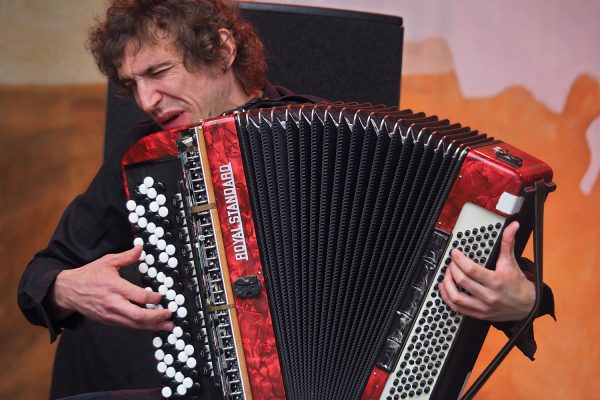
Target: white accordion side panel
436,326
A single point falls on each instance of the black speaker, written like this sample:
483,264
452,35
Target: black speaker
334,54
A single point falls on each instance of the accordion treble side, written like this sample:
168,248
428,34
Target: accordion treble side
300,247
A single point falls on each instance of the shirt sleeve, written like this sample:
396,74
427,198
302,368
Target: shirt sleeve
527,343
93,225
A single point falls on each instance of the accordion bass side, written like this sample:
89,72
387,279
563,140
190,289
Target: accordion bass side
299,248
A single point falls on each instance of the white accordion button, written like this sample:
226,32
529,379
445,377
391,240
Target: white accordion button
161,367
133,218
143,189
151,227
172,339
168,359
159,355
172,306
163,257
162,289
160,277
170,249
149,181
163,211
189,349
180,344
153,240
143,268
140,210
152,272
138,241
188,382
169,283
166,392
182,356
170,372
130,205
177,331
173,262
152,193
160,232
170,293
161,244
142,222
142,256
154,206
179,377
179,299
161,199
157,342
181,312
149,260
181,390
191,362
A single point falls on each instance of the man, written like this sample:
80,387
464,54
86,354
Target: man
182,61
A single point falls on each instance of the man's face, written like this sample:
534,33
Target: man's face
164,88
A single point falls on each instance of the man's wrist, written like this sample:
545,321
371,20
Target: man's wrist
530,299
60,308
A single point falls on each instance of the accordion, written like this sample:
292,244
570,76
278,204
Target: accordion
299,248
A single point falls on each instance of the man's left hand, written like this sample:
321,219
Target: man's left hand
503,294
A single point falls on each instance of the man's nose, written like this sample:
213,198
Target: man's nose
147,97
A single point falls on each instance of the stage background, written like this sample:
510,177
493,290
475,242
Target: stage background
526,72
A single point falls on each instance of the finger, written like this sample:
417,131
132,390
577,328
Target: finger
460,301
471,269
124,258
143,318
138,294
451,294
121,320
507,245
462,280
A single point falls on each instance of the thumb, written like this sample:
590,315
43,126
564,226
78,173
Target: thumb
507,245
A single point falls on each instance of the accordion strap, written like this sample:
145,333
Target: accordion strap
540,190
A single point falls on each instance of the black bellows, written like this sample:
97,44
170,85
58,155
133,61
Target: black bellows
344,200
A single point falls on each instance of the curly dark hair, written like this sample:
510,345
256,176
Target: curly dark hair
194,24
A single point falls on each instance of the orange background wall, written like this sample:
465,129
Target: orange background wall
51,126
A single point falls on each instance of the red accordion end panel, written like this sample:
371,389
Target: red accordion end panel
243,258
157,145
375,384
503,170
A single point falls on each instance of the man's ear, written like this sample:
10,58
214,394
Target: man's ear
228,48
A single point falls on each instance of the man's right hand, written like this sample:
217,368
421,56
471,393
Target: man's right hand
97,291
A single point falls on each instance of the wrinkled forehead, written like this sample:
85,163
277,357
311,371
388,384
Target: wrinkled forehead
150,41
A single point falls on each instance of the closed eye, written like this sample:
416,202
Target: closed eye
159,71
